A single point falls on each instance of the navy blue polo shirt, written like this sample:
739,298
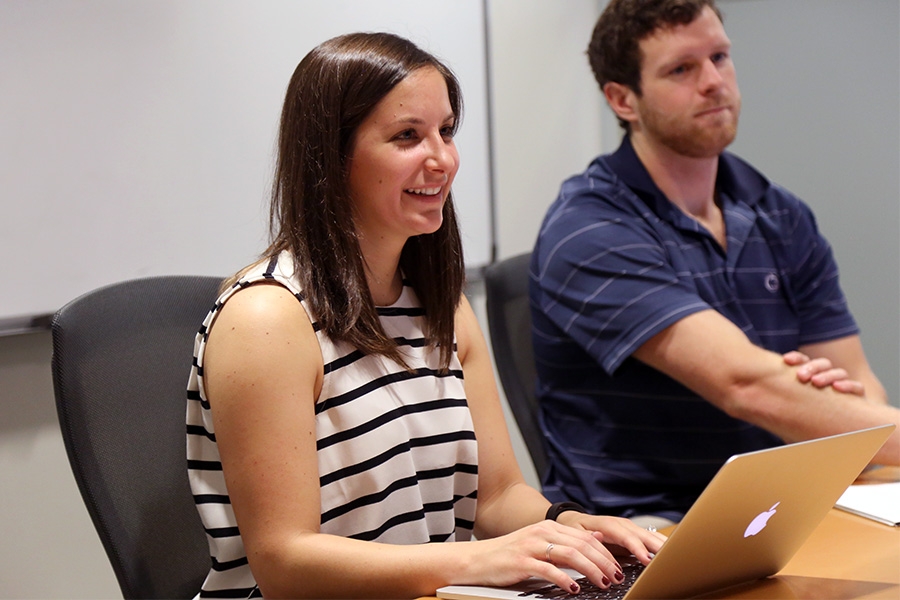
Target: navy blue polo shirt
616,263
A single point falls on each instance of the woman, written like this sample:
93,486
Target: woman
329,418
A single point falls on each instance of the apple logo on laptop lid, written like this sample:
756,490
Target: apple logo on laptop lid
760,521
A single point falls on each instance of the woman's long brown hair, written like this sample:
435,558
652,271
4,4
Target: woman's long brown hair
332,91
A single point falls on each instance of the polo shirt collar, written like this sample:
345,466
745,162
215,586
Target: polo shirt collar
740,181
735,178
625,163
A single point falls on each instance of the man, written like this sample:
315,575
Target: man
685,308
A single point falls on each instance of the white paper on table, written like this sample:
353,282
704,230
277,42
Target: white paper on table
878,501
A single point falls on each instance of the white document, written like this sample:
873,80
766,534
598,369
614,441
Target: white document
878,501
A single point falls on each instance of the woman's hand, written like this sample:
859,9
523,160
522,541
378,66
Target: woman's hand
545,548
621,536
821,373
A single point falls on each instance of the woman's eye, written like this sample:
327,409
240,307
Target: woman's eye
448,131
407,134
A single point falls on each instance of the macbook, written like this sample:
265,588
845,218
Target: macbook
747,524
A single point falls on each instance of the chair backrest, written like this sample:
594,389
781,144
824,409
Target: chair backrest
509,323
121,359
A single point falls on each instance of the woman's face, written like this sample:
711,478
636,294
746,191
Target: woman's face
403,161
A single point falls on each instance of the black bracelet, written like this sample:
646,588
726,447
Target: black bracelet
560,507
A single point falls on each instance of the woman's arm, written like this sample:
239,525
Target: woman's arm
262,372
499,476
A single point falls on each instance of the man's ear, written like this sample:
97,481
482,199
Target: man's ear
622,101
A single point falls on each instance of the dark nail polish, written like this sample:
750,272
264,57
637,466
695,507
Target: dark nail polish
619,576
605,580
574,588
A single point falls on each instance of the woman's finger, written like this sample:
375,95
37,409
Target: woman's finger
642,543
600,568
550,572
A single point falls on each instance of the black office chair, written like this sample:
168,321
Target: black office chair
509,323
121,358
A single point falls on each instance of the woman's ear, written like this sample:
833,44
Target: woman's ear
622,101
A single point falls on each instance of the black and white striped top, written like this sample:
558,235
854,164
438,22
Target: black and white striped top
396,448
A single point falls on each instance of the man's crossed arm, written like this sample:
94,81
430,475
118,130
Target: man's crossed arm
710,355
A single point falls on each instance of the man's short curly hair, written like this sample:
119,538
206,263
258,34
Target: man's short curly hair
614,51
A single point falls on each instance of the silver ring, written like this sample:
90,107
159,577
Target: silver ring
652,528
549,548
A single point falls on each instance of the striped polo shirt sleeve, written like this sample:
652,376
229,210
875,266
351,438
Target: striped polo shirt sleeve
606,279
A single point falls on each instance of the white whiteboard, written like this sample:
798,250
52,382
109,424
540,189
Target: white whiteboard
136,138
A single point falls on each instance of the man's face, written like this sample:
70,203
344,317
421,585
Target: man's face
690,100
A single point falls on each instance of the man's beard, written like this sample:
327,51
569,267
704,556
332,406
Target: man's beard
690,138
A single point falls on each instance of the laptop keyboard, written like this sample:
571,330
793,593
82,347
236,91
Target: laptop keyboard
589,591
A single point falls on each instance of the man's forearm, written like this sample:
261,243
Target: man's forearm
710,355
797,412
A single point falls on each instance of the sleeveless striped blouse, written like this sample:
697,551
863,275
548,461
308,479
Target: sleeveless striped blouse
396,448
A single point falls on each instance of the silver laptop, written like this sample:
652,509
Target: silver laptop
747,524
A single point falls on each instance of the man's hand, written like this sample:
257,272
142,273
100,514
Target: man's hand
821,373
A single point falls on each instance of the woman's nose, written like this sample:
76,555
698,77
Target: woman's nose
442,155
